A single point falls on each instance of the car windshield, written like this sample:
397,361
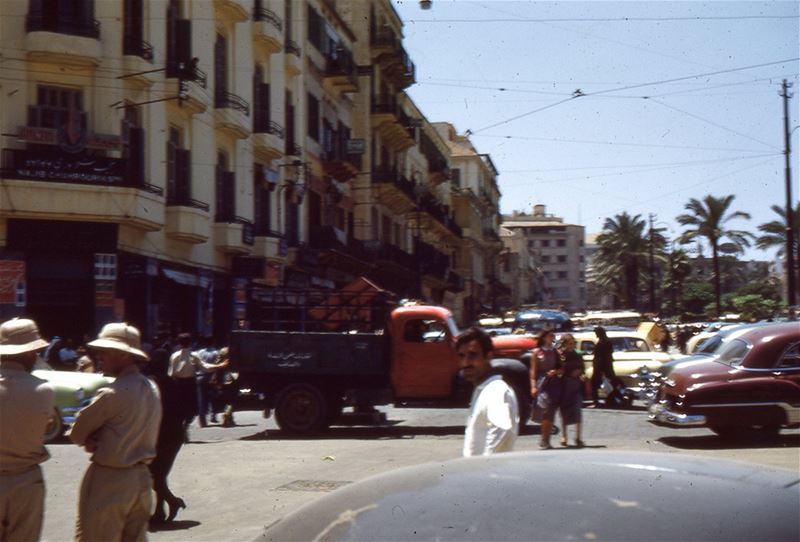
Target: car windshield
708,346
734,352
629,344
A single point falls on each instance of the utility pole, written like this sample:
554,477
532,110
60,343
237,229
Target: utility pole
652,270
790,275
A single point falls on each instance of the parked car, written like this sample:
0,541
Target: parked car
547,496
632,352
752,386
650,381
73,391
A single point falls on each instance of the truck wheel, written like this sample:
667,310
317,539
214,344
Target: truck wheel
301,408
55,427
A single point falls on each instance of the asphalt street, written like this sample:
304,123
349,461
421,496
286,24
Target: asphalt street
238,480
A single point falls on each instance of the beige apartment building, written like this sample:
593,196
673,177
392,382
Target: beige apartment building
176,163
558,250
518,271
476,203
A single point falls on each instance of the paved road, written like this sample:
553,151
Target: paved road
238,480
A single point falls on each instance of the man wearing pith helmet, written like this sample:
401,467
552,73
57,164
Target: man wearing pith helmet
26,406
120,429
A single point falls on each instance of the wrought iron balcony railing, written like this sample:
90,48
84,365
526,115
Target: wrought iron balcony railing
225,99
263,14
292,48
263,126
86,27
137,47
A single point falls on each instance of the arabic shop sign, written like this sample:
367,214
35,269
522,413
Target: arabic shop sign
66,168
80,141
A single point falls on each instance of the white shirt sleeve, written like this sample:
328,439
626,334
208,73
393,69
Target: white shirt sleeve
493,423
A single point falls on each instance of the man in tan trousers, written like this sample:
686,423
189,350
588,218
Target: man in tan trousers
120,429
26,406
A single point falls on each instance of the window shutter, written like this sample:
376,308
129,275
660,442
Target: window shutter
136,156
183,41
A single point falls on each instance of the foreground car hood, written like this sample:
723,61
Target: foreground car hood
542,496
702,372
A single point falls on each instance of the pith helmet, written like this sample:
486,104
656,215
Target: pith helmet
20,335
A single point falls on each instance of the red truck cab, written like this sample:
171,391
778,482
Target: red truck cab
424,361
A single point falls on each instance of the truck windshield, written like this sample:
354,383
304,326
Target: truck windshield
451,323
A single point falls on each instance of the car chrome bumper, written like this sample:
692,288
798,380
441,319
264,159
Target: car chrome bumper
659,414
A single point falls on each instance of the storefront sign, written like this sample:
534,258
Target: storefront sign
53,136
355,146
65,168
103,293
12,275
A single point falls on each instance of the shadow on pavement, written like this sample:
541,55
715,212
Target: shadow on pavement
375,432
177,525
713,442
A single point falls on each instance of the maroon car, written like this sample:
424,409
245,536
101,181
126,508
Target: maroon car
752,387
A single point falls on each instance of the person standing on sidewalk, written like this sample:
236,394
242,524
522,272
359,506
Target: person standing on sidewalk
545,384
184,365
26,407
493,423
120,429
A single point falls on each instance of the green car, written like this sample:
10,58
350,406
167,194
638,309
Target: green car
74,390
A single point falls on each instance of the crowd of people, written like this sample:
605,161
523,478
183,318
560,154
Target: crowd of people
133,428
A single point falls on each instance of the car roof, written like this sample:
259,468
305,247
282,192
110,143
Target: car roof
758,334
606,495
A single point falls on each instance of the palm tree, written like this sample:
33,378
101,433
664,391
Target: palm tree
622,256
679,267
774,232
707,220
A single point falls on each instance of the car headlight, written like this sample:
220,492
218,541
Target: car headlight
80,394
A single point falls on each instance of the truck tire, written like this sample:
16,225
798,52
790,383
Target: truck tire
301,408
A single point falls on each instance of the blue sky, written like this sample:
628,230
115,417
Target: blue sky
645,148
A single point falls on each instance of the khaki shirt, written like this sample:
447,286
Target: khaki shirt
26,406
124,419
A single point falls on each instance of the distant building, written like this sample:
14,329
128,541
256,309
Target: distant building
558,250
596,297
518,270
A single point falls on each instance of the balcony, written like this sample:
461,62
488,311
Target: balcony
138,59
394,126
187,219
293,149
267,30
335,249
78,187
233,234
433,262
231,10
437,216
340,74
388,52
394,190
384,253
63,40
231,114
293,58
267,139
338,164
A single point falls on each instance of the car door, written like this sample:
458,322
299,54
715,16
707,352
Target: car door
787,370
424,359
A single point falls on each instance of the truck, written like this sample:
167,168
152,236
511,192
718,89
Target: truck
307,377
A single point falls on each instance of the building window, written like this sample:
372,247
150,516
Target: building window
316,25
261,107
313,117
179,42
562,274
226,190
220,70
386,229
289,121
178,170
545,259
545,242
562,259
133,30
374,224
561,243
54,105
64,17
262,201
455,177
292,226
133,147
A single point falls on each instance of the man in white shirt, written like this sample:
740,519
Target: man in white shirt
493,424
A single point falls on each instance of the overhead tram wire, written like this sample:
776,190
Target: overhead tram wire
579,93
618,143
607,19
